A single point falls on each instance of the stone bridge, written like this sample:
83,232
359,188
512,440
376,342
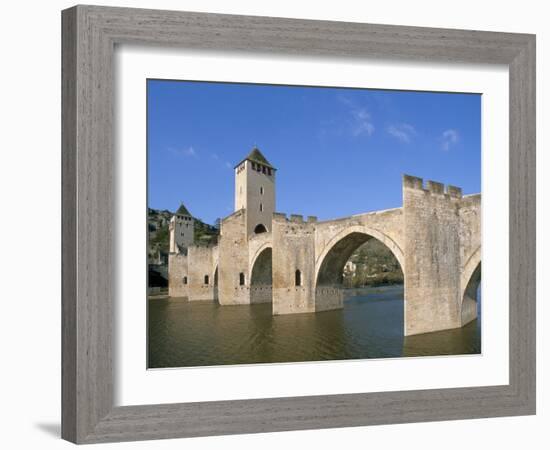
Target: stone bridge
298,265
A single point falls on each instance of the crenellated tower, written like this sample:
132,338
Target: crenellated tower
255,191
182,230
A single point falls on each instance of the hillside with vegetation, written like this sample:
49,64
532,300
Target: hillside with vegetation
372,264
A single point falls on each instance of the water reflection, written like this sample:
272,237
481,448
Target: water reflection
370,326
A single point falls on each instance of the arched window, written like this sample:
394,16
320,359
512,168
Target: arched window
261,207
184,280
298,278
206,279
260,228
241,279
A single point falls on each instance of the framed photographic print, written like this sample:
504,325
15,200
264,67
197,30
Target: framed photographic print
256,209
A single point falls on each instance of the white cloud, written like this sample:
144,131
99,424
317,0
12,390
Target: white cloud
362,123
449,138
403,132
361,119
219,160
191,152
185,151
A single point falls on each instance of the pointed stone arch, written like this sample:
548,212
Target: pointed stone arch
215,282
351,238
260,228
469,282
261,276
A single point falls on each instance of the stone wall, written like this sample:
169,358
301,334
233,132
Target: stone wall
470,226
432,256
261,294
328,297
470,231
233,260
202,261
177,270
293,250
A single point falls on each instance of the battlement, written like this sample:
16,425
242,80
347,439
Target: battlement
279,216
202,246
454,191
295,218
412,182
471,199
433,187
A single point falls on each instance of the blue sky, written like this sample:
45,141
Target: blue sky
338,151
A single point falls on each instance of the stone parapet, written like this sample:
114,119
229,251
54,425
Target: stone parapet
431,187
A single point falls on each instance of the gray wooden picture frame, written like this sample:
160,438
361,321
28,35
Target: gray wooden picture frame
90,34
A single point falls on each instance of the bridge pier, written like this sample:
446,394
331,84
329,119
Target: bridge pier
234,288
293,265
434,244
328,298
177,275
193,274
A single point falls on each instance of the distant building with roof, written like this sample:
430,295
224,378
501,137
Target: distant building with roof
182,230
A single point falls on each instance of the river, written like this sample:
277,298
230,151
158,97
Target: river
184,334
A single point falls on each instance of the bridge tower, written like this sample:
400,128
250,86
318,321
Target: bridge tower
255,191
436,231
182,230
